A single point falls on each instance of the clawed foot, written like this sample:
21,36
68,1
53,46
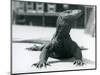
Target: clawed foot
34,48
41,65
78,63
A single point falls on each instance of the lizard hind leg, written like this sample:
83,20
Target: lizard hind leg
35,48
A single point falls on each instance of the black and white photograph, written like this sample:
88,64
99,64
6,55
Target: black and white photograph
52,37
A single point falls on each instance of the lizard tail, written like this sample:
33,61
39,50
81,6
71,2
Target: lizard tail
83,48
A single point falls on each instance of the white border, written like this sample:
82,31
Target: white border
5,36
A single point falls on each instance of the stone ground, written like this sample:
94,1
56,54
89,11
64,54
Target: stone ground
22,59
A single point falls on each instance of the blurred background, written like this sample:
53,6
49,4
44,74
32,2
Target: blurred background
45,14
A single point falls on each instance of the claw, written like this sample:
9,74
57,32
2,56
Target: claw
40,65
78,63
37,66
74,63
34,64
